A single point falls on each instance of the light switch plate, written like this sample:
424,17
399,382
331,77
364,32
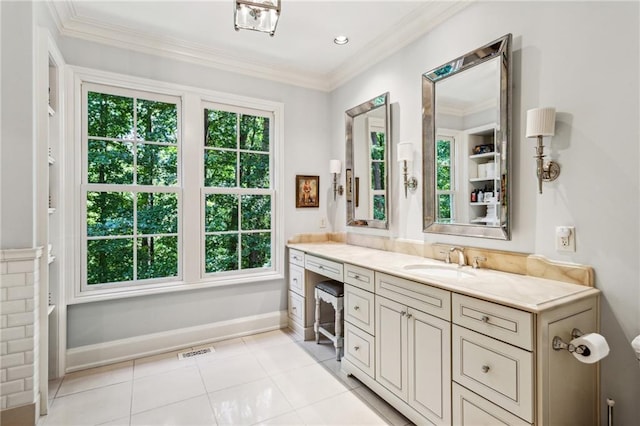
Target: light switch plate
566,238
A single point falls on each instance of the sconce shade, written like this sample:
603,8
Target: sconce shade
335,166
541,122
405,151
257,15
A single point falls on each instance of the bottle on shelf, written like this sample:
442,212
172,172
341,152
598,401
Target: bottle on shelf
487,194
480,197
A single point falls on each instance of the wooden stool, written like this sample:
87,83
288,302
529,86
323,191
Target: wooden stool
330,292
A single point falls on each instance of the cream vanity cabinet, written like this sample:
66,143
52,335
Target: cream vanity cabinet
446,358
297,301
494,358
305,271
359,324
398,334
413,334
505,370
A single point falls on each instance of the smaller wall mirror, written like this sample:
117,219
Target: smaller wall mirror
367,163
466,141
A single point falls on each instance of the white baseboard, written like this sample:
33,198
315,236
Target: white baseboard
306,333
90,356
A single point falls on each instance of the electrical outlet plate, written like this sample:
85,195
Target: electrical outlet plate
566,238
323,222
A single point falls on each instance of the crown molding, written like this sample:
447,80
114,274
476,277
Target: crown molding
70,24
60,12
429,16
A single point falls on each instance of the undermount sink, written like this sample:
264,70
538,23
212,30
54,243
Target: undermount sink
440,271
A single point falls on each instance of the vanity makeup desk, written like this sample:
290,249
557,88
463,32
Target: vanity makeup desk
447,345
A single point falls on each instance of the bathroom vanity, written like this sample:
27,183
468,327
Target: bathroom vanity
447,345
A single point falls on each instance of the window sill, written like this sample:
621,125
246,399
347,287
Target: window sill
171,287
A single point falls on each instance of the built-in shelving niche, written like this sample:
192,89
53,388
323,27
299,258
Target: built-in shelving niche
52,314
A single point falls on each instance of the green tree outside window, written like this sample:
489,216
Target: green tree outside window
132,234
378,174
237,159
444,180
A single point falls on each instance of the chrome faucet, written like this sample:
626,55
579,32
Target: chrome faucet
461,259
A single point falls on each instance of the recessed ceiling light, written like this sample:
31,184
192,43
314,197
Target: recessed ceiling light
341,40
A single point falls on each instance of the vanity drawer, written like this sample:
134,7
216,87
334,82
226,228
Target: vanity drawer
296,257
325,267
359,277
423,297
506,324
501,373
296,307
296,279
359,349
359,307
470,409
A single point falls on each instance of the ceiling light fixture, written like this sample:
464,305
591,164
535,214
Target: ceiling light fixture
257,15
340,40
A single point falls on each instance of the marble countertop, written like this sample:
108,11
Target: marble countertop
524,292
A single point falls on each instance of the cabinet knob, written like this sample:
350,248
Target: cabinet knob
293,308
402,313
356,276
321,267
356,308
485,319
295,280
409,316
356,348
485,368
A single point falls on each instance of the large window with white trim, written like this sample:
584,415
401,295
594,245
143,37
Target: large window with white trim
142,226
131,186
238,195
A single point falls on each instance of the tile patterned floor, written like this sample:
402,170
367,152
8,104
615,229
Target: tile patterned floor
265,379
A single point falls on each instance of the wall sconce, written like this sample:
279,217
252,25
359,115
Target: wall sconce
405,155
257,15
541,122
335,168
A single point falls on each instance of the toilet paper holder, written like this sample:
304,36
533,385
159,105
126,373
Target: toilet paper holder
559,344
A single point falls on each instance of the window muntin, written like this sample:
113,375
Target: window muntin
238,195
131,193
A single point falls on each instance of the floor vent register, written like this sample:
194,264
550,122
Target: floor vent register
196,352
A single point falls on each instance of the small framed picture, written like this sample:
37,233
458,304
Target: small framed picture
307,191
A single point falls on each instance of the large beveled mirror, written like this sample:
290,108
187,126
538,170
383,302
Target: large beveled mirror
466,106
367,163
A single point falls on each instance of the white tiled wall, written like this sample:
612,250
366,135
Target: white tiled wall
19,279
